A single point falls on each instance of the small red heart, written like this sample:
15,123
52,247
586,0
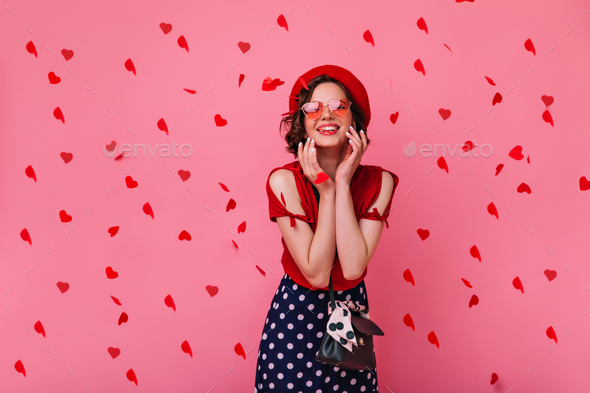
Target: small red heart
490,81
111,274
444,113
114,352
241,79
433,339
269,84
235,244
423,233
474,301
409,277
231,204
409,322
130,182
54,79
322,177
131,376
244,46
516,153
190,91
282,22
169,302
492,210
57,113
24,234
30,172
212,290
261,271
20,368
242,227
111,146
442,164
547,100
584,184
32,50
393,117
468,146
64,217
518,284
63,286
129,66
184,235
184,175
182,42
123,318
223,187
67,157
499,168
467,284
147,209
528,45
220,121
497,99
474,251
494,378
39,328
551,333
116,300
113,230
186,348
551,274
240,350
418,66
422,25
67,54
162,126
523,187
547,117
367,36
166,27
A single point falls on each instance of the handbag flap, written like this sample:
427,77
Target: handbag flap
365,326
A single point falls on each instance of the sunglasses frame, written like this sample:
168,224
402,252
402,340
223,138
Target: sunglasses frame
322,108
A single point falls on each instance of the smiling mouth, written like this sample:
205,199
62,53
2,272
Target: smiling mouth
327,132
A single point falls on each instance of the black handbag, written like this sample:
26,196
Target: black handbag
362,356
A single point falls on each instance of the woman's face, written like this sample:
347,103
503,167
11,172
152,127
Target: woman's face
324,93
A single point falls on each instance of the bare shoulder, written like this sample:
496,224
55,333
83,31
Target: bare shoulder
283,181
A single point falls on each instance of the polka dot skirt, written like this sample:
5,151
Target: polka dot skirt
291,338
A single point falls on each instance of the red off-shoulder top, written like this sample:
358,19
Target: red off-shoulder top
365,188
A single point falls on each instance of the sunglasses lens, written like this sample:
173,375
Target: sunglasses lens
313,110
339,107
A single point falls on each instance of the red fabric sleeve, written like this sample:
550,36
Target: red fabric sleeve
277,208
374,215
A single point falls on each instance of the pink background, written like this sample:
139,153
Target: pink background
504,334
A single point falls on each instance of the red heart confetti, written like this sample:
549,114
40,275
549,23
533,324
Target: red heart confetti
184,175
24,234
184,235
114,352
523,187
241,79
499,168
490,81
409,322
448,48
30,172
168,301
235,245
423,233
547,100
492,210
322,177
393,117
129,66
584,184
409,277
518,284
67,54
182,42
31,48
551,274
244,46
162,126
242,227
474,251
111,146
418,66
444,113
131,376
547,117
240,350
111,274
190,91
220,121
39,328
117,301
269,84
186,348
64,217
474,301
528,45
468,146
123,318
223,187
166,27
282,22
113,230
442,164
20,368
147,209
303,83
67,157
433,339
516,153
53,79
130,183
63,286
230,205
212,290
551,333
57,113
367,36
497,99
494,378
422,25
467,283
261,271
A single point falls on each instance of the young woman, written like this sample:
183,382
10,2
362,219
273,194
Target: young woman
326,203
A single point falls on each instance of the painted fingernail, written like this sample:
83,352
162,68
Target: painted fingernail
312,141
300,143
308,138
351,127
348,133
312,150
362,131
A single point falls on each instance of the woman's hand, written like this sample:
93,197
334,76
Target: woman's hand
311,168
357,145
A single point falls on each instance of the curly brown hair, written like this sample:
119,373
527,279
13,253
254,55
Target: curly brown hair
293,123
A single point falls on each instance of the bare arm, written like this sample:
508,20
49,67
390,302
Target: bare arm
314,254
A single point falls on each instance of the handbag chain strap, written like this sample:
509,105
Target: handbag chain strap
332,300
